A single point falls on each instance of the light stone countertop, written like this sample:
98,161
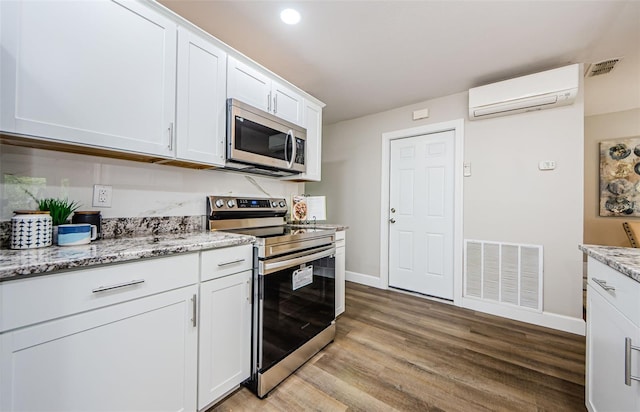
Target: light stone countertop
338,228
623,259
16,264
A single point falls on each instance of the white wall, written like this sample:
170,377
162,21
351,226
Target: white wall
506,199
139,189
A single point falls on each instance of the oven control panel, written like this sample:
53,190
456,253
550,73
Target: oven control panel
248,205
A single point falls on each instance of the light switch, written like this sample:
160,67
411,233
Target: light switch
547,165
466,169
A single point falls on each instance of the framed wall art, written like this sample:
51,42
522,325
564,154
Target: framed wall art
620,177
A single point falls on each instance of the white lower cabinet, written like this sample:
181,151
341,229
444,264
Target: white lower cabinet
340,271
138,355
163,334
612,317
225,336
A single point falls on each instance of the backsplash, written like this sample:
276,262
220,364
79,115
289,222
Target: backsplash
132,227
154,225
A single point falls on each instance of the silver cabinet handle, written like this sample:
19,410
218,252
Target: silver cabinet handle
248,291
118,286
275,104
269,102
603,284
171,136
392,220
231,262
194,301
627,362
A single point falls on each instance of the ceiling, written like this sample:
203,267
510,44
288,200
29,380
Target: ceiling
364,57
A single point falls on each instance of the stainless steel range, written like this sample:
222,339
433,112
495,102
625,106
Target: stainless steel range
293,285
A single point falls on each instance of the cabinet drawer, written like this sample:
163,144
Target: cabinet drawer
28,301
217,263
626,295
341,237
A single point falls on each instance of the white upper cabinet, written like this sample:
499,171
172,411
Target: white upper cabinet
312,121
248,85
201,99
286,103
97,73
254,87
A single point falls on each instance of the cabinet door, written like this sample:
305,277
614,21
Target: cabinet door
312,121
134,356
287,104
607,329
201,99
98,73
340,280
225,336
248,85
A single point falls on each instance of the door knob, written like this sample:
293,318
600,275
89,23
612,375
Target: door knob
392,220
393,210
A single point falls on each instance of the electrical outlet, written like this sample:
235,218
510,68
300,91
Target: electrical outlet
102,195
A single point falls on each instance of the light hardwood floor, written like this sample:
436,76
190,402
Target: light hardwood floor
394,351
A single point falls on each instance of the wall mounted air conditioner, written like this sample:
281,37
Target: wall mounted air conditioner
545,90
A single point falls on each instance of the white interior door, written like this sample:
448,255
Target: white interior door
421,224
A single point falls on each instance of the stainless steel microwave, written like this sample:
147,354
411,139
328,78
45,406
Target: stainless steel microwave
259,142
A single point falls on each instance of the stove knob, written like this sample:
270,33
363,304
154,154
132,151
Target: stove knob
282,203
219,203
274,204
231,203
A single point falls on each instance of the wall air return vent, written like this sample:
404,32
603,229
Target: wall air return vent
603,67
504,273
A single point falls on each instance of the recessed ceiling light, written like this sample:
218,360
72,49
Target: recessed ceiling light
290,16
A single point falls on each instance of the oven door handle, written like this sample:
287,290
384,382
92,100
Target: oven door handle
267,267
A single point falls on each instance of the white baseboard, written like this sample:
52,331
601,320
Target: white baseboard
546,319
363,279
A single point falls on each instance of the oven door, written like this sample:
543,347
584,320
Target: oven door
296,302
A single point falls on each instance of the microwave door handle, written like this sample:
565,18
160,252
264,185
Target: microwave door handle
286,140
293,148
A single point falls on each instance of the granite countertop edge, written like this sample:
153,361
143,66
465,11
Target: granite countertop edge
623,259
16,264
337,227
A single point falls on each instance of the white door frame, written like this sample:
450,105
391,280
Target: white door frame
457,126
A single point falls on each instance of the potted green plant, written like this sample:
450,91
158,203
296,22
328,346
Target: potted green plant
60,211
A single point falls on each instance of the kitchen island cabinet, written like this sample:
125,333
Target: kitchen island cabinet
613,335
105,80
87,340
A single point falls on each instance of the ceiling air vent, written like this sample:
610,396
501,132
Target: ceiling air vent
603,67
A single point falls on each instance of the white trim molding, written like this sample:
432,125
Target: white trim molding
457,126
545,319
361,278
